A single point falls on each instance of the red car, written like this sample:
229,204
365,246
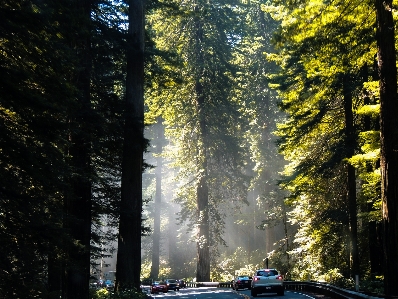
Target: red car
158,286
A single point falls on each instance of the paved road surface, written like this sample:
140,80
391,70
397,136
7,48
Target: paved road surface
226,293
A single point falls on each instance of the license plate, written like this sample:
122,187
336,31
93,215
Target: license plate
268,288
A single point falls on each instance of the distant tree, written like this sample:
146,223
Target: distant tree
158,140
261,110
203,118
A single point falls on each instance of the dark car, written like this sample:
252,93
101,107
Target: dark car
182,283
242,282
158,286
172,284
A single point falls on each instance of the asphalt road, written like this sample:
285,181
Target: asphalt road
224,293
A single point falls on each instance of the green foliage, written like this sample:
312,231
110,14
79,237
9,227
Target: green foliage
319,46
229,265
372,285
240,113
145,269
333,276
32,158
126,294
202,117
40,111
233,264
102,293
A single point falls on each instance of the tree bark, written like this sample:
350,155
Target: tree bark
128,266
202,190
350,144
202,196
202,243
373,227
78,200
158,200
388,141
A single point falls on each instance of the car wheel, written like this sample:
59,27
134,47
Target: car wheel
281,293
253,293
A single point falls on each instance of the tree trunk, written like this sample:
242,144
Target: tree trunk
388,141
286,250
350,144
128,266
54,269
202,243
375,248
78,200
373,228
202,190
79,226
203,237
158,199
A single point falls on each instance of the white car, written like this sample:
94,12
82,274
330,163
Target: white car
267,281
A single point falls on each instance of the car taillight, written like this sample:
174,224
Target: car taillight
279,277
255,278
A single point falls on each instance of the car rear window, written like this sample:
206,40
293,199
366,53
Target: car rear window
267,273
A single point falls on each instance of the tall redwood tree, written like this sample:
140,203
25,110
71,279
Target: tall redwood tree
128,266
389,141
78,201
